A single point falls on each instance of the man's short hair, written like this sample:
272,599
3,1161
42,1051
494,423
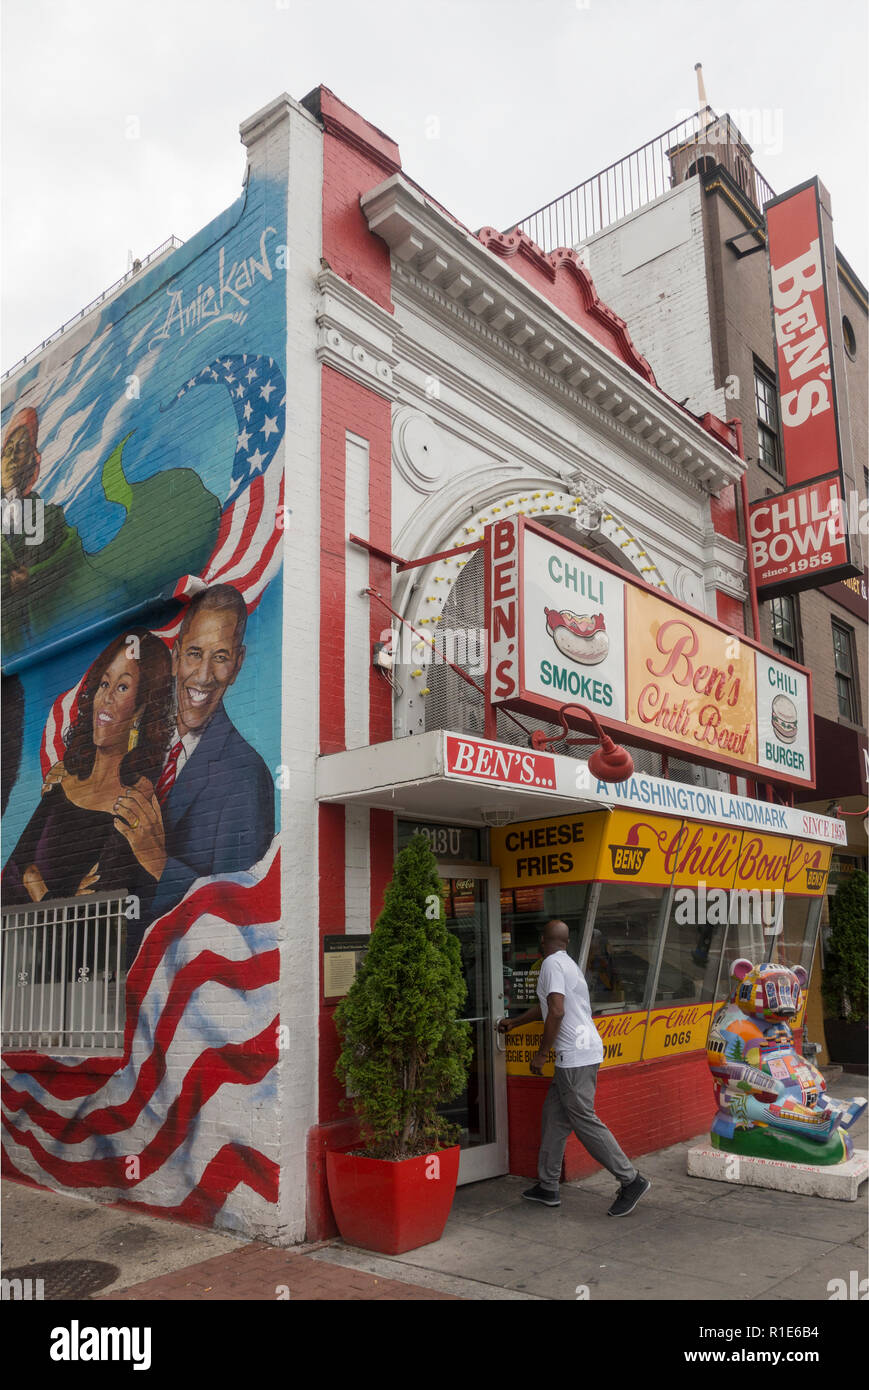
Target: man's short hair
220,598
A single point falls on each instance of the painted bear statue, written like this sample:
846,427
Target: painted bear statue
772,1103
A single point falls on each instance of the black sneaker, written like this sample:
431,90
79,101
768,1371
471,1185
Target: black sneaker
629,1194
542,1194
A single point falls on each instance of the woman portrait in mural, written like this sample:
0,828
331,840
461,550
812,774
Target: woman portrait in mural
89,832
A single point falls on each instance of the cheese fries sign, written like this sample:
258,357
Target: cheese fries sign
568,629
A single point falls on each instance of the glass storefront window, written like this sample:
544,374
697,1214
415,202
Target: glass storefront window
463,842
745,941
689,961
524,913
795,944
467,918
624,946
757,938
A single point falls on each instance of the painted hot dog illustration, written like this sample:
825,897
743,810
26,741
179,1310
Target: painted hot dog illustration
580,636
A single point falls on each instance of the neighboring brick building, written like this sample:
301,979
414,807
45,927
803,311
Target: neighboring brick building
322,403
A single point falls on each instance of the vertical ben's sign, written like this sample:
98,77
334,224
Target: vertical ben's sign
502,604
799,538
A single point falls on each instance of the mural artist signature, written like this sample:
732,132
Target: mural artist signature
229,289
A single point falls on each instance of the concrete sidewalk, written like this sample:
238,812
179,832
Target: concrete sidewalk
85,1251
688,1239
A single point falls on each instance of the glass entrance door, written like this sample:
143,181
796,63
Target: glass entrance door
473,915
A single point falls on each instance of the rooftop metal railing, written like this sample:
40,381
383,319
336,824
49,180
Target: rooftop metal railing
170,244
624,187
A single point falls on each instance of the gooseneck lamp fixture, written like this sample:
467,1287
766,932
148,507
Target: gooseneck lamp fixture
610,763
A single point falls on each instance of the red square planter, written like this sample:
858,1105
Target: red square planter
392,1206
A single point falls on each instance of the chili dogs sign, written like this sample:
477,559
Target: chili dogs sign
800,537
564,628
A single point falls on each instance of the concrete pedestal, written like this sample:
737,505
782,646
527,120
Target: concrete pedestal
840,1182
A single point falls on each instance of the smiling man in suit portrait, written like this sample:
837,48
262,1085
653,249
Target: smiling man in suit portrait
215,794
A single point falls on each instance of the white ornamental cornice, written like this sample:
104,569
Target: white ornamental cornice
725,566
436,259
355,336
597,416
727,582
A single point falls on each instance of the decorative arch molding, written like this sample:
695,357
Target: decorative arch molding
422,594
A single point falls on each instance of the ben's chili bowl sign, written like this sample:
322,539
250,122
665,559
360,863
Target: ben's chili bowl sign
800,533
691,681
488,762
567,629
798,538
573,629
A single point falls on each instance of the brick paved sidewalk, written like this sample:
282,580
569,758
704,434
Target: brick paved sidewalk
258,1272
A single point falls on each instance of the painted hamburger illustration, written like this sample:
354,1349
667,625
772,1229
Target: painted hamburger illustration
784,719
581,636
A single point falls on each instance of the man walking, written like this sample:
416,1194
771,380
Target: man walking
568,1027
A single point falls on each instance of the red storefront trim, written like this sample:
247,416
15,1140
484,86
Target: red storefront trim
647,1105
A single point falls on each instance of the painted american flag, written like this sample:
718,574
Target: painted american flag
184,1099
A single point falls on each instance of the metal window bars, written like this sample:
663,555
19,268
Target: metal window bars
63,974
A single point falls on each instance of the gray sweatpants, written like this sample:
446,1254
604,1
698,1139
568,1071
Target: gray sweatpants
569,1107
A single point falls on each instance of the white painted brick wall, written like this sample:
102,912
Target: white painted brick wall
294,150
664,300
357,646
357,873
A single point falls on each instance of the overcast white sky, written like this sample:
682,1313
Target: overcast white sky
530,96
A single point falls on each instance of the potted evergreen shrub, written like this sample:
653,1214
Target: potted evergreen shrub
404,1052
844,980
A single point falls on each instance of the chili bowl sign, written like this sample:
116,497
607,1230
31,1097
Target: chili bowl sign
799,538
565,628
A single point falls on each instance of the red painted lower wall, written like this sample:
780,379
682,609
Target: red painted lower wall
729,610
340,1134
647,1105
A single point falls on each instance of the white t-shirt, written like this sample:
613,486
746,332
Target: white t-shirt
577,1043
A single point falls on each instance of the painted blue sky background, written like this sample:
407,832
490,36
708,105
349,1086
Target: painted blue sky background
86,407
85,411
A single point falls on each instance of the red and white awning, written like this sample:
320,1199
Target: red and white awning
475,781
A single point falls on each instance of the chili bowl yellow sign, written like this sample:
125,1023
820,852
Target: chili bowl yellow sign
567,628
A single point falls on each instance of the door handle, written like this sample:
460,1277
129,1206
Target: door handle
500,1038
